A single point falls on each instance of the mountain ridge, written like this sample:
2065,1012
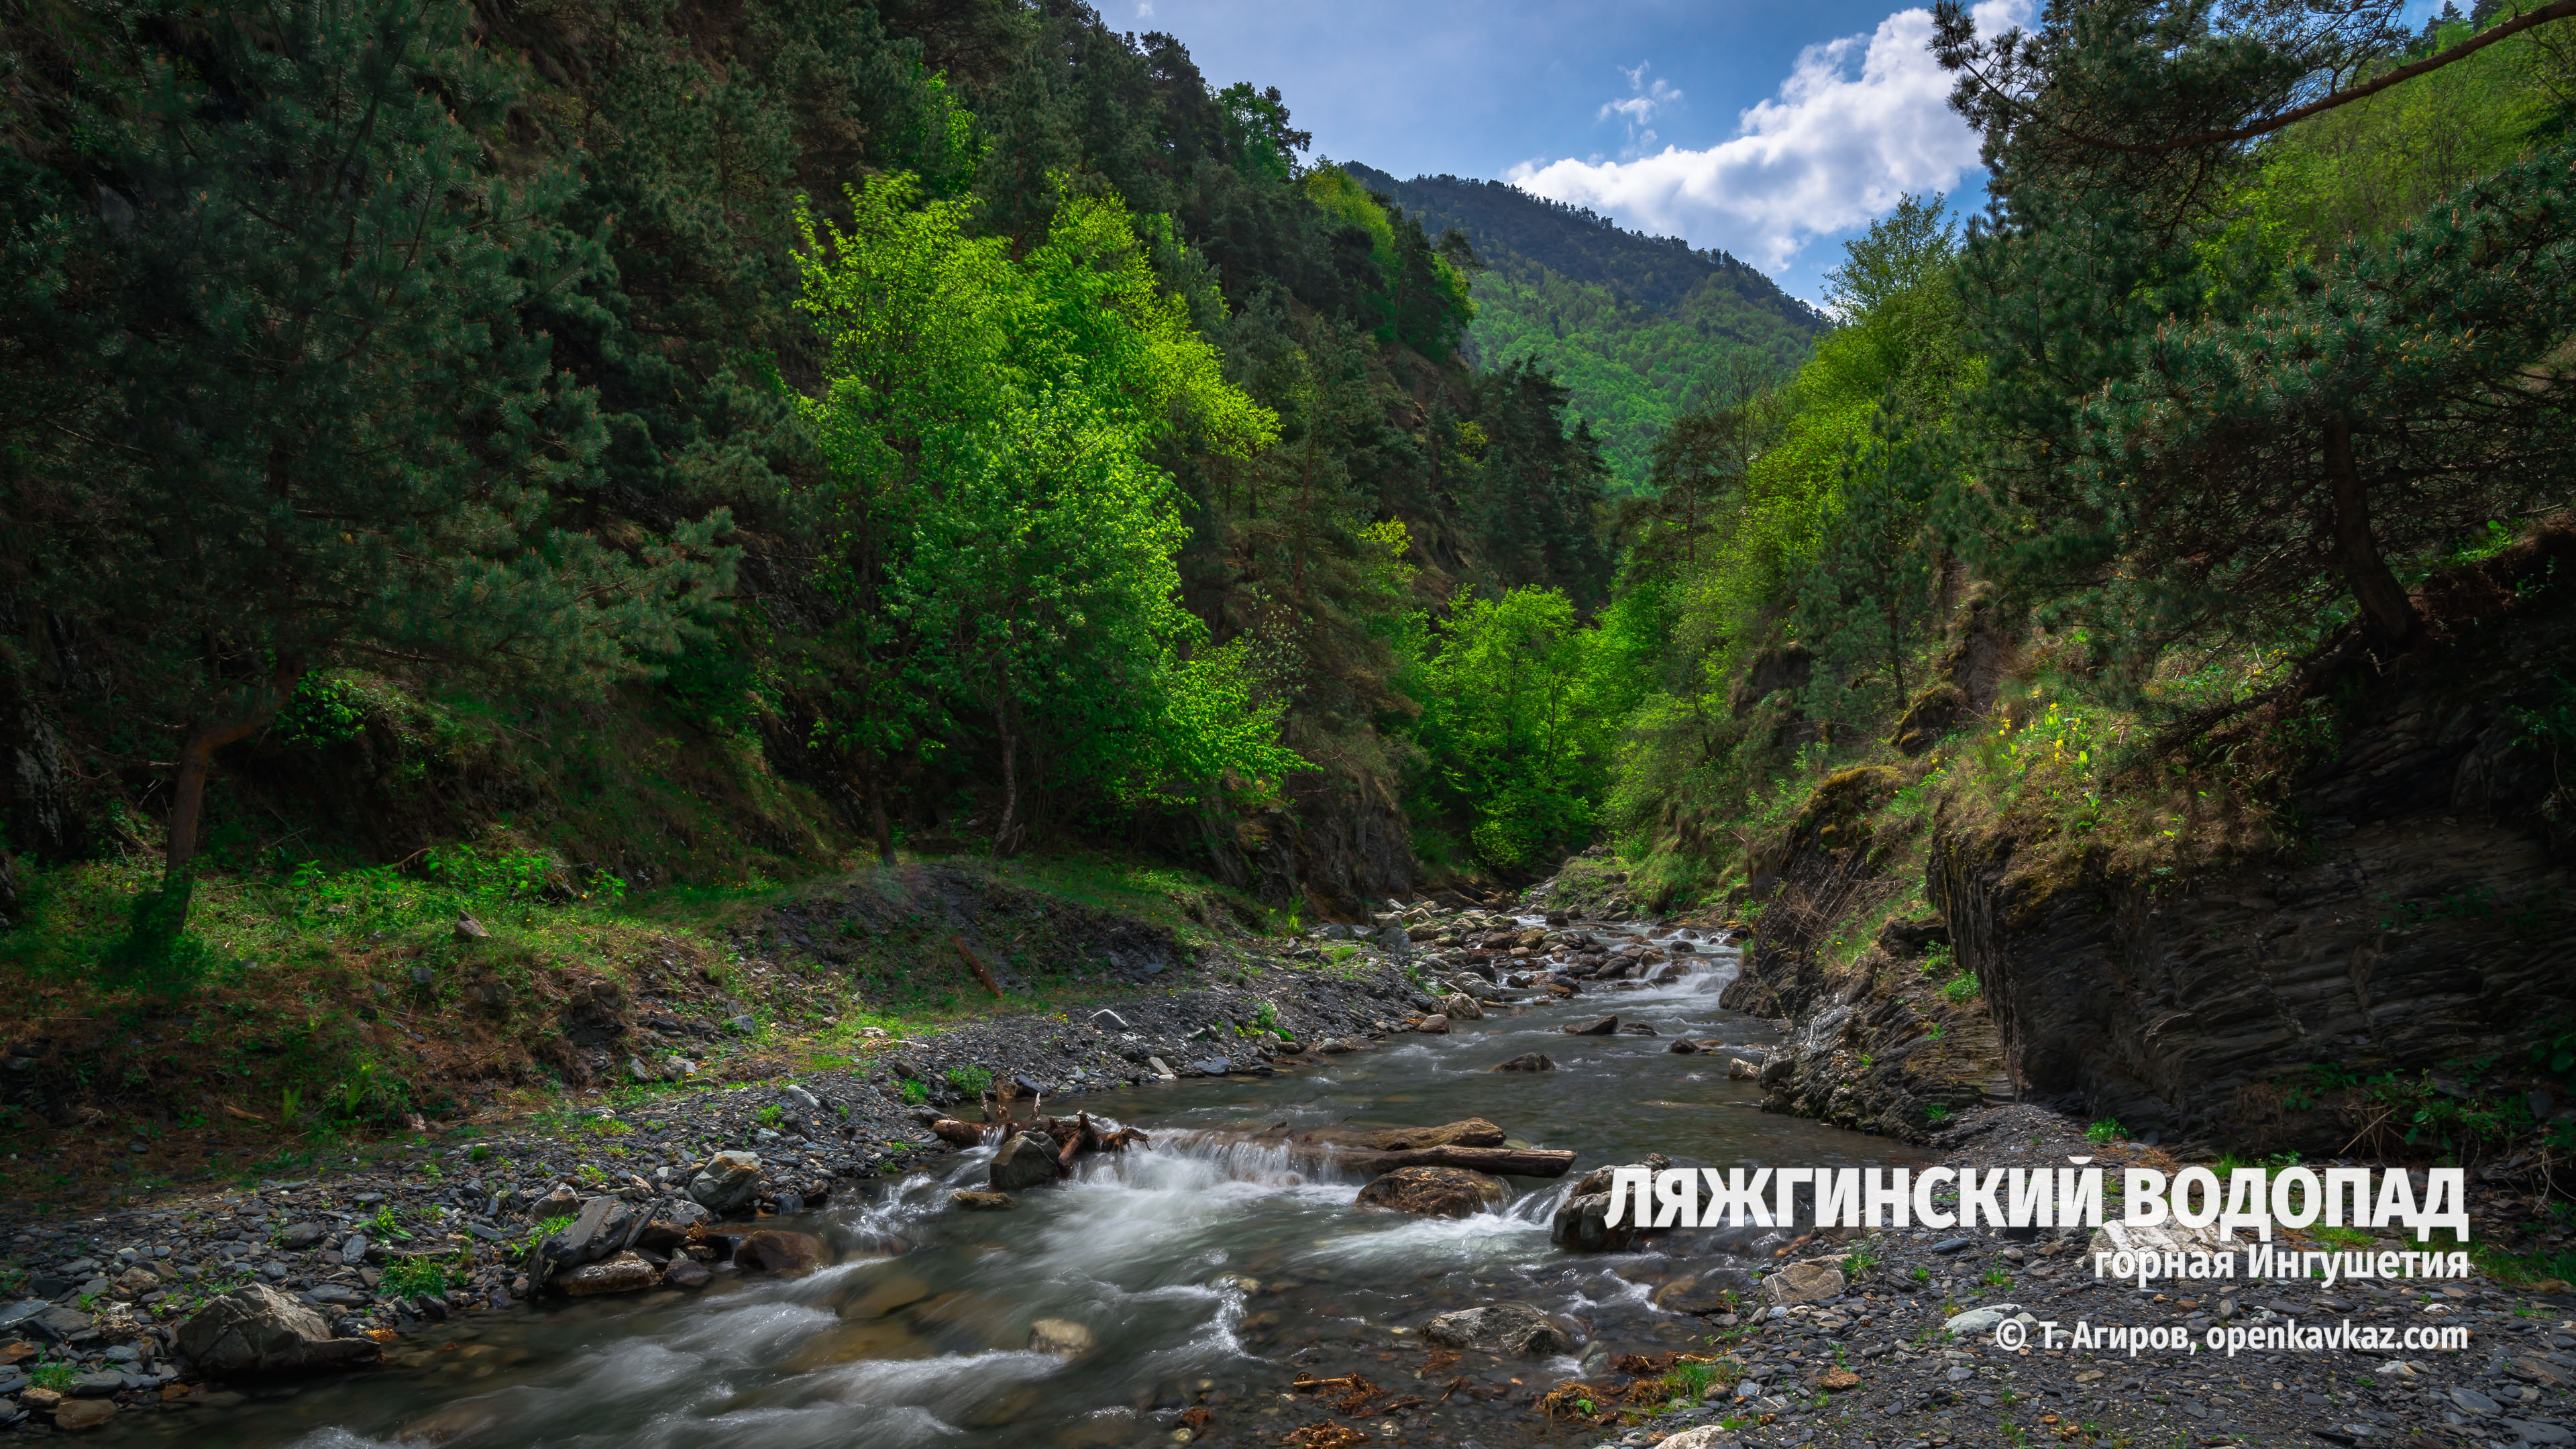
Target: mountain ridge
1630,323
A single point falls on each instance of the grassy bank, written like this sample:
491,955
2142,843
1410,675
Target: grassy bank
311,1015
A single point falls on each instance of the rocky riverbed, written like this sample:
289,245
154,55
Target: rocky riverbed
1478,1307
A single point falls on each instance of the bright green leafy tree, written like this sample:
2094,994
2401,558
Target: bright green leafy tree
987,420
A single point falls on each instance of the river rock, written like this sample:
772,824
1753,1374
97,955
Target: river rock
1061,1337
620,1273
1716,1290
884,1296
599,1230
1433,1025
1459,1006
1443,1192
1527,1062
727,1183
73,1415
686,1272
1802,1283
2165,1237
1683,1045
1513,1328
1982,1320
772,1251
1582,1224
1706,1436
259,1330
1027,1160
1740,1070
982,1202
1394,941
1603,1026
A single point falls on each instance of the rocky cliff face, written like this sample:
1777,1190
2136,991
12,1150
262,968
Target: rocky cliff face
2422,916
1876,1046
2426,917
1339,844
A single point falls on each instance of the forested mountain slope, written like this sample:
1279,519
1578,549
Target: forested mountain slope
1631,324
667,437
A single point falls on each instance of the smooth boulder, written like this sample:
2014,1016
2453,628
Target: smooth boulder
1604,1026
259,1330
1512,1328
981,1202
686,1272
772,1251
1803,1283
1432,1025
71,1416
727,1183
1442,1192
1459,1006
1527,1062
1061,1337
1027,1160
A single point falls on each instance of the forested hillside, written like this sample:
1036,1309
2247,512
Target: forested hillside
668,439
1637,328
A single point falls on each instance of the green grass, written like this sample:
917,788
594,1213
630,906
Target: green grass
409,1277
2104,1132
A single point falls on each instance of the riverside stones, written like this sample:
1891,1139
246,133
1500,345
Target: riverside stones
620,1273
1446,1192
1512,1328
1527,1062
727,1183
1716,1290
74,1415
1601,1026
1027,1160
259,1330
1459,1006
1803,1283
772,1251
1433,1026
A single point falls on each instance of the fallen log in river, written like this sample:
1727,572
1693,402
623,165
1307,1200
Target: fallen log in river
1501,1161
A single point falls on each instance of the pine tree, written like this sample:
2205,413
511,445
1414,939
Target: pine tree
334,442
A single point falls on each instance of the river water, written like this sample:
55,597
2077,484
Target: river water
1209,1275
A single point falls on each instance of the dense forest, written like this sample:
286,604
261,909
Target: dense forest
1638,328
606,447
673,443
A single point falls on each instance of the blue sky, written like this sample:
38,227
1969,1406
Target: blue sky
1770,130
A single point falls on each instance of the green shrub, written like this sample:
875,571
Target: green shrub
2104,1132
409,1277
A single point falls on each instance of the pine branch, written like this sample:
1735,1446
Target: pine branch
2555,10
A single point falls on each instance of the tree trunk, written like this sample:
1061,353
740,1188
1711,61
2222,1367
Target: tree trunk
196,757
2384,606
877,815
1006,834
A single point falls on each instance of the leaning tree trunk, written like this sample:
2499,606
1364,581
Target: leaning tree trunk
2384,606
197,756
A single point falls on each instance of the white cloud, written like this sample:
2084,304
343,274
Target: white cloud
1834,149
1144,9
1639,106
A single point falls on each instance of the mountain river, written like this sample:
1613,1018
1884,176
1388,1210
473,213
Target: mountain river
1211,1273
